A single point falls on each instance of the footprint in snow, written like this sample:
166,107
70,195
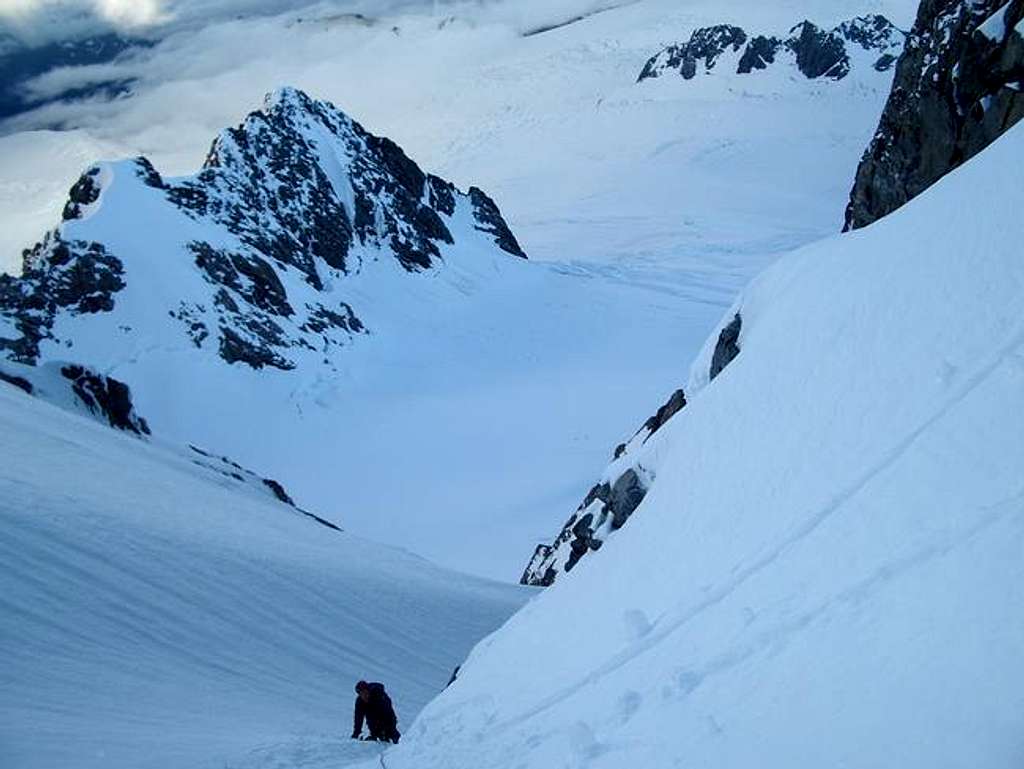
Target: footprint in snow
637,624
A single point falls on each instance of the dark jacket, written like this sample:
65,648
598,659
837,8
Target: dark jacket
379,715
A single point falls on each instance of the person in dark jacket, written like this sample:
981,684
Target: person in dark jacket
374,705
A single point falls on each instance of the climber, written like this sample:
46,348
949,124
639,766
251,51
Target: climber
374,705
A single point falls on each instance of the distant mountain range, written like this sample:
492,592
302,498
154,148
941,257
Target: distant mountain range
815,52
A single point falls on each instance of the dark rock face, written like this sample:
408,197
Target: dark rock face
489,220
265,182
299,193
255,348
627,494
20,382
706,45
727,347
671,407
759,54
84,192
957,88
58,276
105,397
817,53
605,509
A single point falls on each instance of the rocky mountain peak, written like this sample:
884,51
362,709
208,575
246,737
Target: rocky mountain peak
288,205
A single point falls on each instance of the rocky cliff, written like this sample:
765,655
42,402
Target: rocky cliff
956,89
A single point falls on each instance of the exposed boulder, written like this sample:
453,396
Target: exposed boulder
957,88
627,494
671,407
85,192
727,347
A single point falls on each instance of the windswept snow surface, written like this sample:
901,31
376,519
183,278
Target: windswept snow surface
154,615
828,568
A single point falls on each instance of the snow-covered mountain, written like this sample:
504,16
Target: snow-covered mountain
164,607
246,260
826,569
814,52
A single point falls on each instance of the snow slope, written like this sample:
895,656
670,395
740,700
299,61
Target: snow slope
158,613
827,569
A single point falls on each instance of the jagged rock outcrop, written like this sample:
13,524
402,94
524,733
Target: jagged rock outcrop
80,389
251,255
727,347
606,507
957,88
611,502
105,397
704,46
815,52
72,277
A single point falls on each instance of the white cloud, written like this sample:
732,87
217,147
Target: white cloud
131,13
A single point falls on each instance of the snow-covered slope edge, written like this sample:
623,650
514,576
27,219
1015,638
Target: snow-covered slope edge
165,609
827,571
